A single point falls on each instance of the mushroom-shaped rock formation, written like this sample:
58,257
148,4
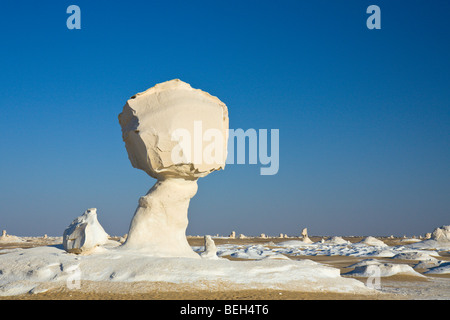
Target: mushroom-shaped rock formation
176,134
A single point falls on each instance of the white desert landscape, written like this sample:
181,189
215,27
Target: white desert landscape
156,260
389,268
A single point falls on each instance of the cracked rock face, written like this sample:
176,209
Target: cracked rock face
155,122
84,233
176,134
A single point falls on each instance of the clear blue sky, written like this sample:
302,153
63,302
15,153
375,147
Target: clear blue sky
364,115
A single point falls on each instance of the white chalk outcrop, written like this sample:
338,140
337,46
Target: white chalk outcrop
372,241
49,267
441,234
439,239
364,263
305,237
416,255
374,269
336,240
442,268
427,264
210,249
164,129
84,233
6,238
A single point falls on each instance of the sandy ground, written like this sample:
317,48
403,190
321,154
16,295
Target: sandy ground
167,291
183,294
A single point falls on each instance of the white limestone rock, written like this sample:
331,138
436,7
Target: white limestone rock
305,237
416,255
84,233
176,134
439,239
210,249
305,232
51,268
372,241
442,268
307,240
364,263
336,240
153,120
427,264
123,238
382,270
6,238
441,234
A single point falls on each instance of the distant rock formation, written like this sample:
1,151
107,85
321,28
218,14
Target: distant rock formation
441,234
210,249
438,239
305,232
372,241
305,237
336,240
123,238
9,238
